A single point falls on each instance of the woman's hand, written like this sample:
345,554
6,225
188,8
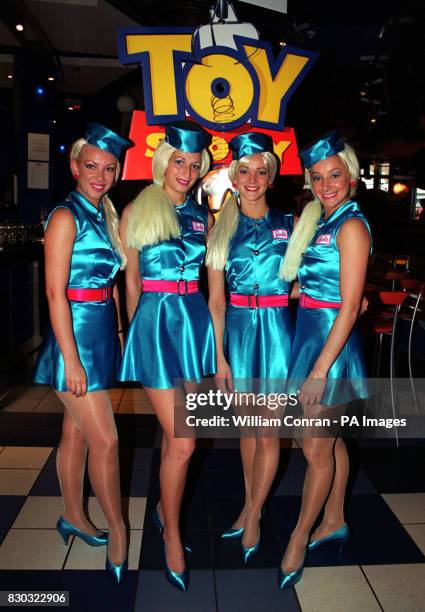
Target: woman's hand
312,390
76,378
223,376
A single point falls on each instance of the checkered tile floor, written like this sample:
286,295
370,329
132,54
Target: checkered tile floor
381,568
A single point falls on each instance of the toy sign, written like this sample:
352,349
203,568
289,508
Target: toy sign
221,88
138,159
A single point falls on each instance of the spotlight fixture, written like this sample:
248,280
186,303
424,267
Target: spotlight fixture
62,148
19,27
39,91
50,78
10,76
282,43
373,120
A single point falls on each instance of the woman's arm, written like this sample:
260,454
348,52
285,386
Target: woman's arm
58,246
354,244
132,273
217,306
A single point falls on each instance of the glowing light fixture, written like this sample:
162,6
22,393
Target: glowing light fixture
19,27
400,189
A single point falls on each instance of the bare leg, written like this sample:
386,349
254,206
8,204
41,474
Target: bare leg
317,484
247,448
94,418
333,517
266,460
175,457
70,465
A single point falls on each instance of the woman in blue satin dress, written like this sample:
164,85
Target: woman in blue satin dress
329,251
170,338
254,329
81,352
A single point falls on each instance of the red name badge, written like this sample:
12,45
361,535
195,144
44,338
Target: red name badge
324,239
198,227
280,234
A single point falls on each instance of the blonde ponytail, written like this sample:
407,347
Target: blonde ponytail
221,235
152,218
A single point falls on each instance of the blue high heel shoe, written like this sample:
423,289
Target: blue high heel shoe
341,535
233,532
66,529
160,525
178,580
249,553
286,581
117,572
237,532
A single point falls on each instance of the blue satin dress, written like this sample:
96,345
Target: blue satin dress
257,342
318,277
171,337
94,264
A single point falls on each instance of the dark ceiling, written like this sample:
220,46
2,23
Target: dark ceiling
369,80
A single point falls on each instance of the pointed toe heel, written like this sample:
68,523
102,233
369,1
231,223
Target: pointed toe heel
232,532
66,529
341,535
290,579
249,553
179,580
117,572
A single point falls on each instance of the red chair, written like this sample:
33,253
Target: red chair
385,323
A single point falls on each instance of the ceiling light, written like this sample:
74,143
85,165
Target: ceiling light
282,43
373,120
50,78
19,27
10,76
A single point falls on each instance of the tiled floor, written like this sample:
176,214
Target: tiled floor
381,568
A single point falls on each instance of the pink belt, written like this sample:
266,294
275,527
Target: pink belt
258,301
308,302
89,295
182,287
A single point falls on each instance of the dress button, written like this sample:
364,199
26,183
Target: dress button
256,252
181,268
99,216
302,286
255,286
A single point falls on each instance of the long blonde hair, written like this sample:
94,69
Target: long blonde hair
307,225
152,217
223,231
111,215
